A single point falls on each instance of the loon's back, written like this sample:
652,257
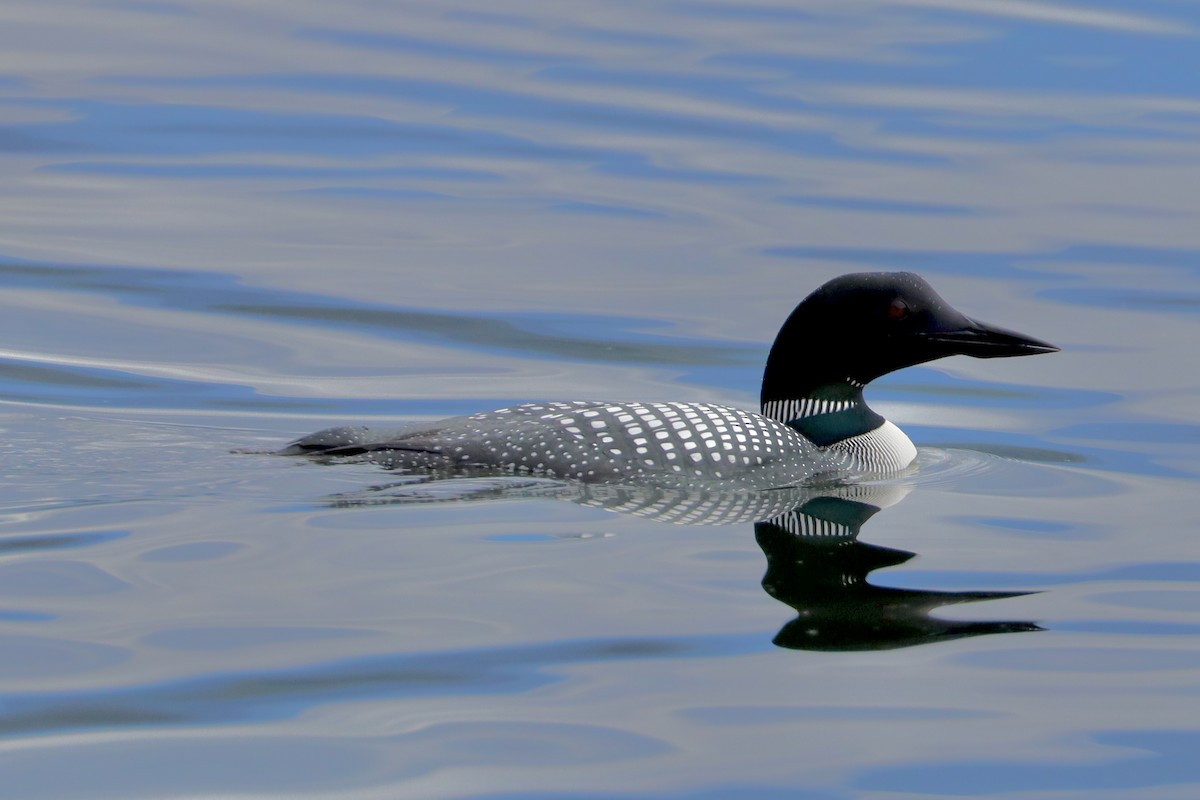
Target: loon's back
661,444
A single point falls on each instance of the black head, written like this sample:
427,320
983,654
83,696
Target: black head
860,326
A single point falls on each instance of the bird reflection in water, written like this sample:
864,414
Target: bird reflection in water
815,563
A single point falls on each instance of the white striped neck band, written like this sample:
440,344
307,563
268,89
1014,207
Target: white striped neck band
802,408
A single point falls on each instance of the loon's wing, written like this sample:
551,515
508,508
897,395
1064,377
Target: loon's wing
667,444
525,439
348,440
360,441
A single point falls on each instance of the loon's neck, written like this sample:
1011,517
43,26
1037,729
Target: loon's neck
824,414
836,417
818,390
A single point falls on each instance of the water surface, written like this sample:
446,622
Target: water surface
227,225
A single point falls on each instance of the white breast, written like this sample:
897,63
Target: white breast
882,451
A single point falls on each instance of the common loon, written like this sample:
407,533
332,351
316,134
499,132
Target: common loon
814,426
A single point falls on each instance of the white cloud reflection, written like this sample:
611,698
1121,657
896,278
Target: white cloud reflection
1078,16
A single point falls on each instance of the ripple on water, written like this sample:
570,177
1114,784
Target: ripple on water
25,656
1019,472
1155,599
57,578
1085,659
214,638
192,551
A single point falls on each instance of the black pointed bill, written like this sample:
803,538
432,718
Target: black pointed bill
980,340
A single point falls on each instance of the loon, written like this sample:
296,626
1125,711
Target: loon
814,427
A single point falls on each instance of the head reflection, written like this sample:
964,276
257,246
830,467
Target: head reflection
815,563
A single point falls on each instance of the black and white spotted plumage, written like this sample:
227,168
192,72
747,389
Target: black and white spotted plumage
661,444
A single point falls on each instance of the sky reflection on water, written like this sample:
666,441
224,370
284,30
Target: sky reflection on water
227,224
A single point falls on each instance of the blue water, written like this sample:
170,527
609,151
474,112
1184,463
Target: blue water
225,226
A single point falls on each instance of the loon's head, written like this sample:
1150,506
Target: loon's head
857,327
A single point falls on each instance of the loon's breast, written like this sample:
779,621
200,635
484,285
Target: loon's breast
663,444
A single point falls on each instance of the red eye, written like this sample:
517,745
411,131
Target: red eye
898,309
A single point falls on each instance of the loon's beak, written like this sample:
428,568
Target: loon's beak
980,340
